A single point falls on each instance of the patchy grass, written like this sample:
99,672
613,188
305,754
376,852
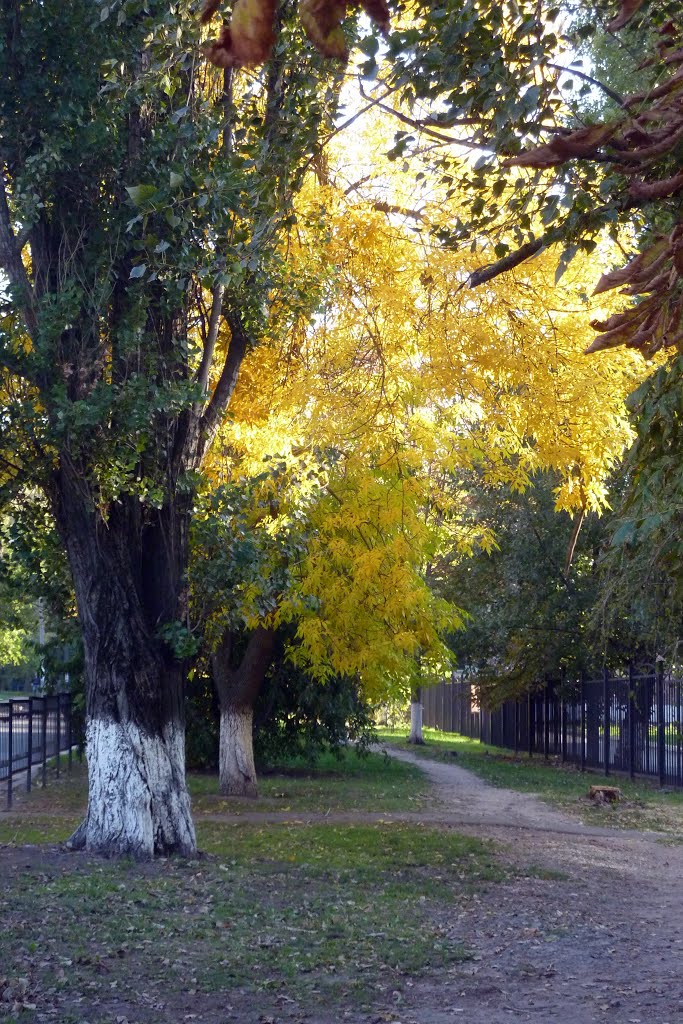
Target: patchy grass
644,806
311,914
349,783
285,915
373,783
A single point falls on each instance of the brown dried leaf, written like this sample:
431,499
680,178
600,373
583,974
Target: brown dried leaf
248,39
622,328
626,12
322,22
541,157
674,57
377,11
659,143
648,261
672,85
208,10
582,143
656,189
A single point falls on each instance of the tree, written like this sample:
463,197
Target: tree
121,269
368,421
530,599
640,606
142,198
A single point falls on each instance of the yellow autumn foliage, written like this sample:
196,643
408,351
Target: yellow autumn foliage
404,379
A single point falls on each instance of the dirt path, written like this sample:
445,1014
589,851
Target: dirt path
601,943
589,931
468,800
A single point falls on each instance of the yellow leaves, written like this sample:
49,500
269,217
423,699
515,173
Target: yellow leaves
401,383
249,38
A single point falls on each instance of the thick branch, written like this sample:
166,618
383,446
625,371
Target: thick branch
512,260
239,687
211,337
593,81
237,349
12,263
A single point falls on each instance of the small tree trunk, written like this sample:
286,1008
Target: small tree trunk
127,576
237,773
416,717
237,690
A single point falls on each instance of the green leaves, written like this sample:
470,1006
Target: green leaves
142,195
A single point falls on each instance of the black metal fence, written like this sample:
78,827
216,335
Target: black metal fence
623,723
32,731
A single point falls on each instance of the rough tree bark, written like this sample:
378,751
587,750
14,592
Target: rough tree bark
237,687
128,577
123,415
416,717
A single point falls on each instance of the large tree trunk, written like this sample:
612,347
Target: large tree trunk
237,689
128,574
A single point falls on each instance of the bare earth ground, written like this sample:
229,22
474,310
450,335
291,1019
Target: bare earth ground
595,936
603,944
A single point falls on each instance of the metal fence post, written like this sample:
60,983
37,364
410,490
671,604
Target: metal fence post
29,732
606,719
59,731
582,697
516,726
546,720
631,722
69,736
530,723
661,724
10,753
44,730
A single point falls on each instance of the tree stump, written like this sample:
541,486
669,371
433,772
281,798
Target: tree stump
605,794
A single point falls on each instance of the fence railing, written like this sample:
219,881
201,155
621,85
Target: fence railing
32,731
631,722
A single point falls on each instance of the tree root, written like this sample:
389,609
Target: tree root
77,840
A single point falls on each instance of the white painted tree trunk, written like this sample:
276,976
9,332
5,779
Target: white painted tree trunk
416,723
138,804
237,772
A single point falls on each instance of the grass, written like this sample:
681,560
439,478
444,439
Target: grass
644,806
14,695
373,783
350,783
312,914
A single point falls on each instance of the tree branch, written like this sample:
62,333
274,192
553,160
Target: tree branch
423,126
212,335
557,234
12,263
237,349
